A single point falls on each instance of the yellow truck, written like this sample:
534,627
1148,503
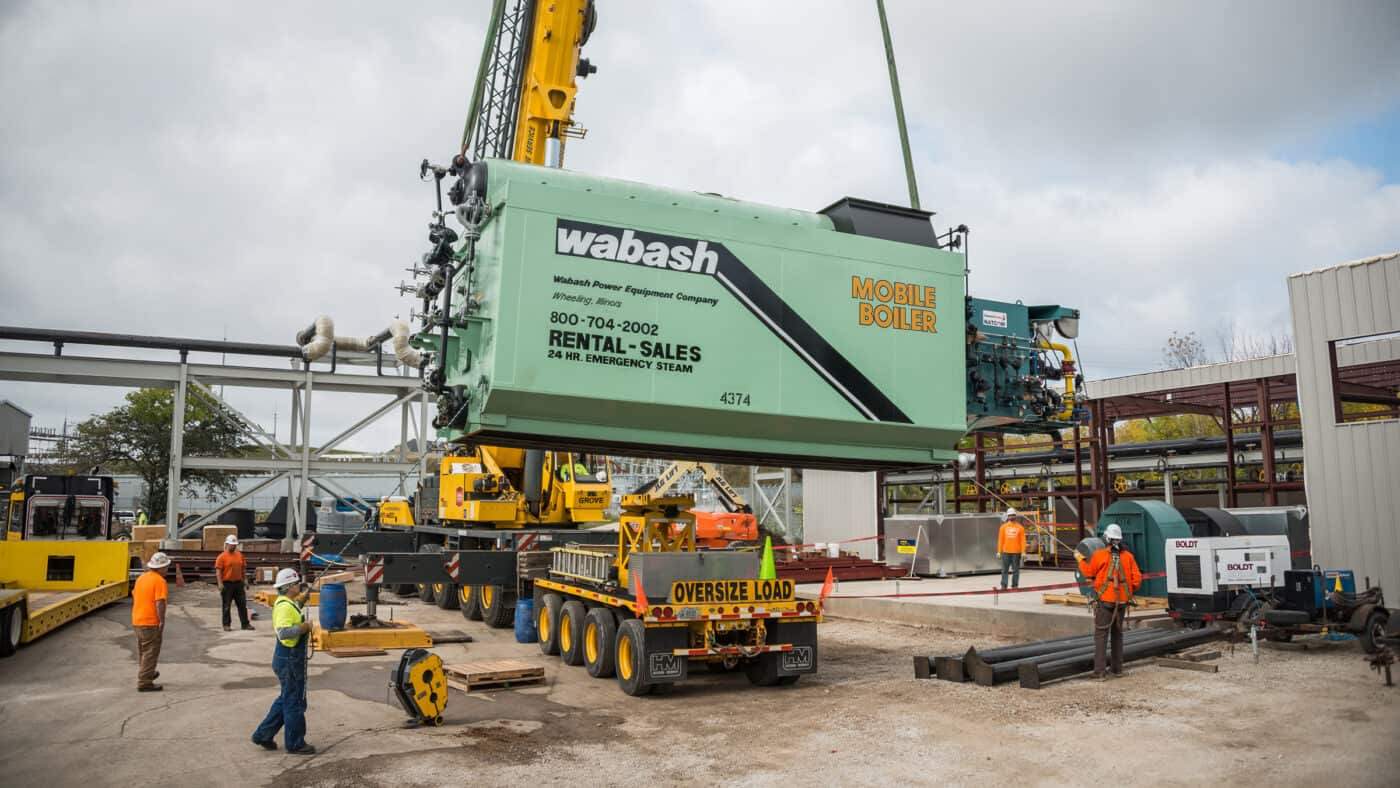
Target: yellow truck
56,561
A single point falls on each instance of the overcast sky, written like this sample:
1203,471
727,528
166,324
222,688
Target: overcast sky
210,170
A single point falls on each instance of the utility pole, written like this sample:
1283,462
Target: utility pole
898,107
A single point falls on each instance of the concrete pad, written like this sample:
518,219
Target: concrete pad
1013,614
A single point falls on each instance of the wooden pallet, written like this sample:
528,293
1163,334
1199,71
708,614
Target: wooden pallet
1141,603
500,674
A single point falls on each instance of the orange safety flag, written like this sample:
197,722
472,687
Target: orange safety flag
827,585
641,604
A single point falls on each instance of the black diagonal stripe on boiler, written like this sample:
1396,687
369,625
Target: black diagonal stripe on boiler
813,348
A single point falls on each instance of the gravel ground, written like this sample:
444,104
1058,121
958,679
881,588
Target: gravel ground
1299,716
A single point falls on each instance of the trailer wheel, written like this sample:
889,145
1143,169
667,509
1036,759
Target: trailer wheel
469,602
631,658
405,589
599,640
547,624
497,607
445,595
571,626
11,629
763,670
1374,631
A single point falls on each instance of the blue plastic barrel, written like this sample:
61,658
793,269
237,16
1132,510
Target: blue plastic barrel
525,621
332,606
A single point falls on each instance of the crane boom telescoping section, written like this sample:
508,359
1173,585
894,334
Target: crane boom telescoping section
612,314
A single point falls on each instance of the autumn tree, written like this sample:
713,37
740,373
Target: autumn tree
135,438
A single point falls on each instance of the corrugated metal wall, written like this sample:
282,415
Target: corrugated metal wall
837,506
1353,470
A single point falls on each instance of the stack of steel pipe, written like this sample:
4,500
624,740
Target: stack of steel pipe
1035,675
1043,660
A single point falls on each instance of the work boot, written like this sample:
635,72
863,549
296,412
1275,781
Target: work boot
266,745
305,749
247,626
150,688
228,628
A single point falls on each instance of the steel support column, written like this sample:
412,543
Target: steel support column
1230,493
1266,439
177,453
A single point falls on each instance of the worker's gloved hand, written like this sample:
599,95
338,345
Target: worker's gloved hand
998,555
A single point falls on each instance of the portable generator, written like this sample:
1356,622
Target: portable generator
1207,578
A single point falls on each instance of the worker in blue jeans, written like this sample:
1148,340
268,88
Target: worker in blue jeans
289,663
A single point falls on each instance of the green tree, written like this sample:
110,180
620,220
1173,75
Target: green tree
135,438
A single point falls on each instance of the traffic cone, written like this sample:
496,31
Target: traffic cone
767,570
179,577
641,603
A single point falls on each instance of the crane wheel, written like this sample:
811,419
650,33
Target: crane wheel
599,642
497,607
469,602
547,623
631,658
446,596
571,627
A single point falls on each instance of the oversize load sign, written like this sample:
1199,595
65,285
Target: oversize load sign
699,592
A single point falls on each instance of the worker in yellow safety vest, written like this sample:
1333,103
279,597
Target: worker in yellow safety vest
288,712
141,517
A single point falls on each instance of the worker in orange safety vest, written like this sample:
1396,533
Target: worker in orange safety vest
1115,577
1011,546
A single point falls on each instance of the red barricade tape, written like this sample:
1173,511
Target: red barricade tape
1027,589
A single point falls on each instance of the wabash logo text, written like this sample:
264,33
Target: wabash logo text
599,242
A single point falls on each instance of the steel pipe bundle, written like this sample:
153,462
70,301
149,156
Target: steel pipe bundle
1034,675
1044,660
1005,668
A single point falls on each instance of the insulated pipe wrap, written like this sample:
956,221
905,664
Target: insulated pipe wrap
317,339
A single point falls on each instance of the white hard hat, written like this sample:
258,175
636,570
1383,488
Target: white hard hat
231,539
1113,531
158,561
286,577
1010,512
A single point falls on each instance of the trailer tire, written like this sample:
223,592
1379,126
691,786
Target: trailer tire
631,657
599,642
547,624
11,629
497,607
763,670
571,625
469,602
1373,631
405,589
445,595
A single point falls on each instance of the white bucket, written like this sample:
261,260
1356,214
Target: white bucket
833,550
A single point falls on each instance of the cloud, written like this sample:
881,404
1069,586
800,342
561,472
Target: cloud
193,170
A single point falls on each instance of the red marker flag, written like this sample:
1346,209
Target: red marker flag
827,585
641,603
